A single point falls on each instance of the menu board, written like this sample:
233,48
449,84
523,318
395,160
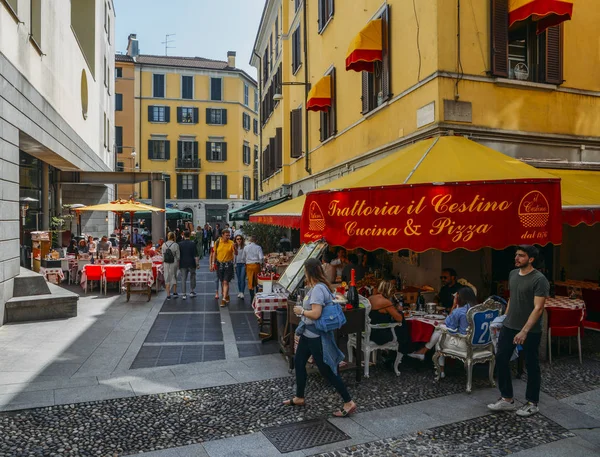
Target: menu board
294,273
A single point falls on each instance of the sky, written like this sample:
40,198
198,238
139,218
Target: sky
202,28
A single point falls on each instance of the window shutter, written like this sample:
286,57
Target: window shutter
179,150
272,155
179,186
208,194
167,150
331,7
224,193
150,118
499,41
224,151
278,148
150,150
167,114
333,109
208,115
386,67
296,133
365,92
196,116
554,55
224,116
320,8
167,186
179,115
196,151
149,189
195,179
208,150
322,128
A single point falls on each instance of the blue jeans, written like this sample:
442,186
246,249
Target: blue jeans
240,273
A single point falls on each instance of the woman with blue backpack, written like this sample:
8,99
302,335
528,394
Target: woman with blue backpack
319,318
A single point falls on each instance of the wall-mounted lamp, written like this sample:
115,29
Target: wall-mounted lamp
106,219
278,97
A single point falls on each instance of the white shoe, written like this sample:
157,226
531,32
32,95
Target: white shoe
502,405
528,409
442,375
240,295
184,296
414,355
192,294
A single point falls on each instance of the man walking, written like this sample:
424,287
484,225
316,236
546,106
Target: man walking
216,232
205,239
254,260
188,263
522,326
221,261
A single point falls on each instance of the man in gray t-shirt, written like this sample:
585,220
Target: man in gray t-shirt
522,327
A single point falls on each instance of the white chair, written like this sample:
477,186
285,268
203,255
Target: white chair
474,347
368,346
64,266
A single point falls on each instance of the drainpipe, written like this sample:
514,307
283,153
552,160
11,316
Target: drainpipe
260,133
140,130
306,90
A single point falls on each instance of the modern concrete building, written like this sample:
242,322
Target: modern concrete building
56,116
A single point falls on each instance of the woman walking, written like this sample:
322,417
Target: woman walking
321,345
171,268
240,265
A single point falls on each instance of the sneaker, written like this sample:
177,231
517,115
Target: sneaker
528,409
175,295
184,296
168,297
240,295
442,375
502,405
193,294
414,355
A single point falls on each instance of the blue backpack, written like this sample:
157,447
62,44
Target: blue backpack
332,316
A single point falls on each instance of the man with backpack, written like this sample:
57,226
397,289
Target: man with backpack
188,263
170,252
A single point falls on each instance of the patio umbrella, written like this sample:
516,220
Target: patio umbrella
121,207
170,213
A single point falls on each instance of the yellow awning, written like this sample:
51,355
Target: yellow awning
319,97
366,48
286,214
580,191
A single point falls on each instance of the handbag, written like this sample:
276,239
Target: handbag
332,316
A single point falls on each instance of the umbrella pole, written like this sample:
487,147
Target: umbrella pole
120,232
131,232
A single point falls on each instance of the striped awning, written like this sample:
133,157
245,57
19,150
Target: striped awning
546,13
366,48
319,97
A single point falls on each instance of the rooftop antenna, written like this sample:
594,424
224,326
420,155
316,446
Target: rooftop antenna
167,42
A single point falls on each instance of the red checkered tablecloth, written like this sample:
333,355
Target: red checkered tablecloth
138,278
268,302
48,272
421,328
564,302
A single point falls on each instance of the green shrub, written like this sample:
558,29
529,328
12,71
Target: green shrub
267,236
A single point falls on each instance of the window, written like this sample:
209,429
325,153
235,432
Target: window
246,95
328,118
296,50
158,86
119,139
118,102
120,166
265,66
296,133
255,100
216,116
187,87
297,4
187,186
247,189
105,17
246,121
187,154
521,53
36,22
159,149
271,59
105,132
105,73
325,13
246,154
277,36
118,72
376,88
255,126
186,115
159,113
216,89
216,187
216,151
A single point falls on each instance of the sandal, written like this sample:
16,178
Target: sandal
216,296
223,303
344,413
291,402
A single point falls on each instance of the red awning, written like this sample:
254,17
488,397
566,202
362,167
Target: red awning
545,13
319,97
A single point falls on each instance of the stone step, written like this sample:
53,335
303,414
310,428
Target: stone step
29,283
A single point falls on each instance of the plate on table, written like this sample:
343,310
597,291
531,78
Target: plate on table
436,317
418,313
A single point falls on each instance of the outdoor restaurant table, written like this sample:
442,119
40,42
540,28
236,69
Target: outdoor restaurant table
140,280
83,280
48,272
421,328
269,302
557,302
574,284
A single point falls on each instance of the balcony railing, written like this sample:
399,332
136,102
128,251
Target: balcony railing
187,163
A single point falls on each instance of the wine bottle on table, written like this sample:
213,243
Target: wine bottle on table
352,294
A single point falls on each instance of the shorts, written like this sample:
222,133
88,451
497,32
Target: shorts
225,271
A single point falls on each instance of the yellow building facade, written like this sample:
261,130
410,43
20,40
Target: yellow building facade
447,68
125,139
196,122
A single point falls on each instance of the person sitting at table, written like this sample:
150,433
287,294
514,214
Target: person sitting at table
82,248
91,244
383,311
104,246
161,241
149,249
328,269
72,249
456,322
449,287
340,261
353,264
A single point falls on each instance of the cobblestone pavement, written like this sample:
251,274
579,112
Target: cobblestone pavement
491,435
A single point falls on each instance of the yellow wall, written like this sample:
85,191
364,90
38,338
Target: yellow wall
503,108
233,133
126,119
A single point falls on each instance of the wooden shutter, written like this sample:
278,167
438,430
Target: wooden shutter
149,189
278,148
333,109
167,114
195,186
179,150
554,55
272,155
322,127
167,150
196,116
150,117
331,7
296,133
499,39
386,75
208,157
179,186
224,116
179,114
224,193
208,115
365,92
224,151
208,193
321,18
167,186
196,156
150,149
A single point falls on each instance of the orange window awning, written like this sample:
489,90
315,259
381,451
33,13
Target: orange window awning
319,97
366,48
546,13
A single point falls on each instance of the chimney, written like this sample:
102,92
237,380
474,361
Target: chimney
231,59
133,47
